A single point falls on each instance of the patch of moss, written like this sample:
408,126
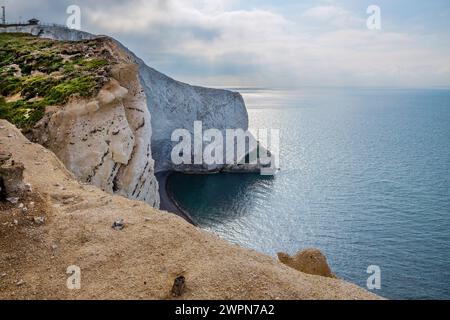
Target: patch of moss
23,114
35,86
45,72
93,64
84,86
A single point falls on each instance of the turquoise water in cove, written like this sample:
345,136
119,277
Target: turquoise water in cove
365,177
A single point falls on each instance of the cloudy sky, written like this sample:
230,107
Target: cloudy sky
271,43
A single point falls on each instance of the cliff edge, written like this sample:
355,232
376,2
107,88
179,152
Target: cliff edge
56,222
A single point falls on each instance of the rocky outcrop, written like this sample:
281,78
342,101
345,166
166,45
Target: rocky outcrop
11,176
154,256
106,140
310,261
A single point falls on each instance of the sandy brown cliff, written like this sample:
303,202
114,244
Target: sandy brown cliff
67,223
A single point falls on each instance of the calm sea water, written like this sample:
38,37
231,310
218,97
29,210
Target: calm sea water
365,178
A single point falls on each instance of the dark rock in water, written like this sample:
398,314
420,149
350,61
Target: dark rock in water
118,225
178,286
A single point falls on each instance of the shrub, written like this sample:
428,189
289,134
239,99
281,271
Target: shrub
10,86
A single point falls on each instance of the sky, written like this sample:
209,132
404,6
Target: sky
271,43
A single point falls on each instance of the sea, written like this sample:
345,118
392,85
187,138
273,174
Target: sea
364,177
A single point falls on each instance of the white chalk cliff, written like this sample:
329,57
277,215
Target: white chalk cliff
177,105
120,139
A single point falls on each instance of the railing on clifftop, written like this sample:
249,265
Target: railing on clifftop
26,24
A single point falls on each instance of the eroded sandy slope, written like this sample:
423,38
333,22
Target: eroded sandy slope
141,261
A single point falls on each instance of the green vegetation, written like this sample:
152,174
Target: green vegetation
22,113
35,73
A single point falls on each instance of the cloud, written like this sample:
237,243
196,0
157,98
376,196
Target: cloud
210,41
333,15
221,42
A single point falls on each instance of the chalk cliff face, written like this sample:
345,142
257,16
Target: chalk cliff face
177,105
105,141
112,140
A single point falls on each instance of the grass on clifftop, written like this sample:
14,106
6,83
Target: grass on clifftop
35,73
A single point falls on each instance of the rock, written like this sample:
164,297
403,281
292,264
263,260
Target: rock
310,261
20,282
11,175
12,200
28,187
118,225
4,157
68,201
39,220
3,194
178,286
